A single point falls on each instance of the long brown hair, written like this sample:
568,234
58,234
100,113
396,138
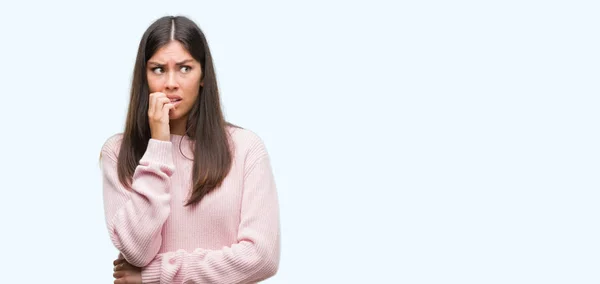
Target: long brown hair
206,125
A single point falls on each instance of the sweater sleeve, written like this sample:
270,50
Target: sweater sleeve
255,255
134,218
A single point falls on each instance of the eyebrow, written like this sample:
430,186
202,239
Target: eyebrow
178,63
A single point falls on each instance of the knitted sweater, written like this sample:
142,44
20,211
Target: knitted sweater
231,236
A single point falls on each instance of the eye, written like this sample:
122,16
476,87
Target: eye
157,70
185,69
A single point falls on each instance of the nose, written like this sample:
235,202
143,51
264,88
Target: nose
171,83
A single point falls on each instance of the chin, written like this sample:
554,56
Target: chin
174,115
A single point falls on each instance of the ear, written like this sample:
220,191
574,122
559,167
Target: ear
201,83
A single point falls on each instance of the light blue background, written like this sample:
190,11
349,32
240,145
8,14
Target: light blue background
412,141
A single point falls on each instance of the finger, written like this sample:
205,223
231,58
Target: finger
168,107
124,280
160,104
118,260
123,266
120,266
126,266
119,274
152,102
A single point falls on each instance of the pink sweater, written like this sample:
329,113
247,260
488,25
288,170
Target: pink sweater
232,236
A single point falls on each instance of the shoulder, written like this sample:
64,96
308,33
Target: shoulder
111,145
244,137
247,142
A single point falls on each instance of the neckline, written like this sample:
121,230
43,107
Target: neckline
179,137
186,137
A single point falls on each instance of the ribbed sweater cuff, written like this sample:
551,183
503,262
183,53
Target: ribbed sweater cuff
151,273
159,151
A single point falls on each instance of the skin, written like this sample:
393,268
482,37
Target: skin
125,273
171,72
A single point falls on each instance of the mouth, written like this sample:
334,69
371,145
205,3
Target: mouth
174,101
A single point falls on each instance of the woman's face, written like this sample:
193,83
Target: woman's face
173,71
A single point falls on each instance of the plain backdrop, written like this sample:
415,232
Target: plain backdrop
411,141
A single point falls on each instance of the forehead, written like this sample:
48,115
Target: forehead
171,52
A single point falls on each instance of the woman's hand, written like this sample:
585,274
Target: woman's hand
126,273
158,115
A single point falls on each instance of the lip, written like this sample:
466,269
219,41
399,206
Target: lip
174,97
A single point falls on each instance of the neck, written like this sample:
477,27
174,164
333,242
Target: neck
177,126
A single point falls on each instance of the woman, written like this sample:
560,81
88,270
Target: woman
188,197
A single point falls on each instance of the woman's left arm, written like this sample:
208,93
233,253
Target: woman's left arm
253,258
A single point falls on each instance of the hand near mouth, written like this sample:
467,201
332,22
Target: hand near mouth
158,115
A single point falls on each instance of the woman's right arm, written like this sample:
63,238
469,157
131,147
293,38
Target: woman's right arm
135,217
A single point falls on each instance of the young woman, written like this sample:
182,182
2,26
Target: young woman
188,197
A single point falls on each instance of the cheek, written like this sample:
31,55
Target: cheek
153,84
190,88
191,93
